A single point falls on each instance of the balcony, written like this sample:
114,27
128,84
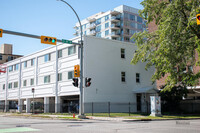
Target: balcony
92,26
115,19
115,34
91,19
93,32
115,27
114,13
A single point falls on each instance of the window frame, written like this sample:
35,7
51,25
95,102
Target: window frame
59,76
123,55
137,77
47,79
60,53
32,81
123,77
16,84
24,83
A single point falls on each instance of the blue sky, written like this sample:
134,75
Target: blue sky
48,17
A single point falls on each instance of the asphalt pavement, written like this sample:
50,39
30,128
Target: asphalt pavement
38,125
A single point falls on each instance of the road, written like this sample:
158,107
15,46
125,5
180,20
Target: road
30,125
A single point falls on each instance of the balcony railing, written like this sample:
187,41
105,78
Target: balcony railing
114,26
115,19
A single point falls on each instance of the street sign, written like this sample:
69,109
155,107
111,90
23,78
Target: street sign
66,41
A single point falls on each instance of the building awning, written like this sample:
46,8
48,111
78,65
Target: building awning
149,89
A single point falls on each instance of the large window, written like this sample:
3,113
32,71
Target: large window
137,78
47,79
71,50
139,19
24,83
47,57
98,28
4,86
32,81
10,68
122,53
25,64
98,34
59,53
106,32
32,62
16,67
70,74
10,86
59,76
15,84
106,17
106,25
132,17
123,77
98,21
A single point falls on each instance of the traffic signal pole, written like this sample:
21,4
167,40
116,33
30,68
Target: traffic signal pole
30,35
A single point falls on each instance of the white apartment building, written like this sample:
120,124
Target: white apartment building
118,24
50,73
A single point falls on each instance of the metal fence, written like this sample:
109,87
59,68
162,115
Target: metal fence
109,107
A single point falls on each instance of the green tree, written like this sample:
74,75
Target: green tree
172,47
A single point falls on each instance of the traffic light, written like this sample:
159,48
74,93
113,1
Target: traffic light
76,71
48,40
198,19
75,83
1,32
87,82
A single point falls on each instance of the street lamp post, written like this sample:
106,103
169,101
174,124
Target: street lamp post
81,63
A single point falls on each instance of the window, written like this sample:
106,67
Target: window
1,57
71,50
98,21
59,76
59,53
47,79
10,58
106,32
98,34
32,81
24,83
123,77
125,16
122,53
70,75
16,67
106,17
139,26
10,68
132,17
137,78
106,25
15,84
32,62
126,39
10,86
132,25
47,57
4,86
25,64
98,28
139,19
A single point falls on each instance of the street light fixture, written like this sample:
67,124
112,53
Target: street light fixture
81,63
